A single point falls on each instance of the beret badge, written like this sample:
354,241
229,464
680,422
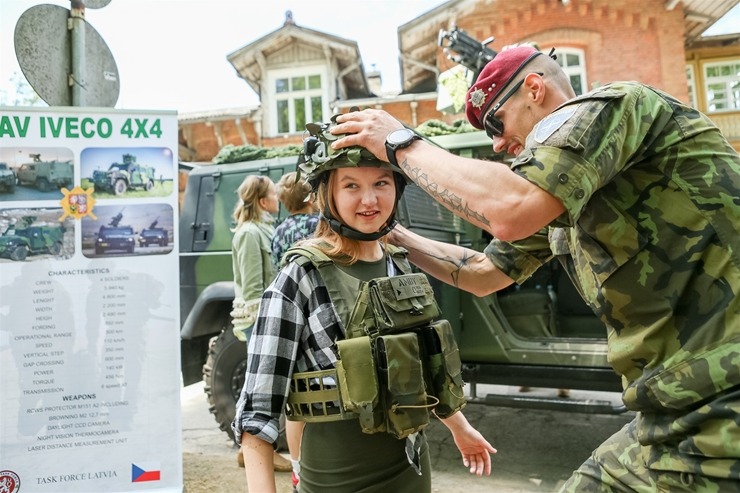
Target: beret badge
477,98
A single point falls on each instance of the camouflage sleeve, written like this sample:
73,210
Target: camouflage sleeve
577,149
520,259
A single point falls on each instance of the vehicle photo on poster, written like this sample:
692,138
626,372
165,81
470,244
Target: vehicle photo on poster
136,229
35,173
127,172
29,234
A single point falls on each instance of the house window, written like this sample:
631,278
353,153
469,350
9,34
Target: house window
299,99
692,85
722,86
573,64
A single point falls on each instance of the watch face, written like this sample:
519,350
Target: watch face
400,136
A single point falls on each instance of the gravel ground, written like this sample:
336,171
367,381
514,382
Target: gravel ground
537,450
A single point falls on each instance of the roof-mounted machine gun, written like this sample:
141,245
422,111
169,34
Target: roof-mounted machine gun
470,53
116,220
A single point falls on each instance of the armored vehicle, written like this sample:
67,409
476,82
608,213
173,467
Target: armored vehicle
121,177
7,179
154,235
45,174
24,238
113,236
539,334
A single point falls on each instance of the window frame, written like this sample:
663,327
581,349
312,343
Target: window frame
726,81
573,70
289,97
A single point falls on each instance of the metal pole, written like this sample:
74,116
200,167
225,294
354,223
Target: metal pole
77,77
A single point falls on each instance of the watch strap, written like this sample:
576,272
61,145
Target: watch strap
390,149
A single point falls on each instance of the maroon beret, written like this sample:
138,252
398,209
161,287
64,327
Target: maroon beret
493,78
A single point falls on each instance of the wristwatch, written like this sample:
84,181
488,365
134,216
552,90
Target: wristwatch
398,139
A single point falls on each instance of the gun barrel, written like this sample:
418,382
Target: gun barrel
470,52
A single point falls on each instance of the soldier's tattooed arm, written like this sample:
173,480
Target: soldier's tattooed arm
455,264
450,200
458,266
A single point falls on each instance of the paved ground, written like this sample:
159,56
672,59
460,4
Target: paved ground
538,450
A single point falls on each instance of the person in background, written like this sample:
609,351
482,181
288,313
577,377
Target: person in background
303,217
298,200
637,193
252,262
306,321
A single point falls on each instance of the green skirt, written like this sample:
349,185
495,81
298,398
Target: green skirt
337,457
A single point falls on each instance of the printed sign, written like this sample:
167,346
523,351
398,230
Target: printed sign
89,318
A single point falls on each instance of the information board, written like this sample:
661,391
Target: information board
89,317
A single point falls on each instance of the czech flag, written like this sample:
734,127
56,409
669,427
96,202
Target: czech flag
144,471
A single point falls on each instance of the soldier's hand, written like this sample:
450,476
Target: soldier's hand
367,128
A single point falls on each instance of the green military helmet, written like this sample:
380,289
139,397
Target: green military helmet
318,158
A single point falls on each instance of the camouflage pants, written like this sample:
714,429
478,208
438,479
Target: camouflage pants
619,465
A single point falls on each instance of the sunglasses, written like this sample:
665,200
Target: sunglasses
494,126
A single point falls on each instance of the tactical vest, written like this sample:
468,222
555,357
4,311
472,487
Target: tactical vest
396,364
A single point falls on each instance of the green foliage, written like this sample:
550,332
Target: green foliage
289,150
248,152
432,128
20,93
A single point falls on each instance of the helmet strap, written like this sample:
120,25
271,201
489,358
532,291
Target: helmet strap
348,232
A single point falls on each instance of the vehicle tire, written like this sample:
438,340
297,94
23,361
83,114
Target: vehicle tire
42,184
120,187
19,253
149,186
55,248
223,376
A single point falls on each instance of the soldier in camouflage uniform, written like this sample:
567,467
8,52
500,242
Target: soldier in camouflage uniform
636,195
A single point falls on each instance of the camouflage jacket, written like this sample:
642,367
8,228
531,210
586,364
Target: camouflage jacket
650,238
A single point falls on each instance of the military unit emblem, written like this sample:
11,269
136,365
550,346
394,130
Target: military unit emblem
477,98
549,125
9,482
77,203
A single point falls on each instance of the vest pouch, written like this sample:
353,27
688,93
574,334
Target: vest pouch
402,384
443,368
401,302
358,383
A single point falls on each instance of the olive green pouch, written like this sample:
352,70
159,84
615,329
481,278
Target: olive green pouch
444,368
402,384
358,383
400,302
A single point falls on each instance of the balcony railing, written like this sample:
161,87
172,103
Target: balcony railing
729,124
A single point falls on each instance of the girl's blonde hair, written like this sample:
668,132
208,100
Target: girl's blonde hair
252,189
341,249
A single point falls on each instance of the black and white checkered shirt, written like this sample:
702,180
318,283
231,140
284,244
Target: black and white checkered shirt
295,331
